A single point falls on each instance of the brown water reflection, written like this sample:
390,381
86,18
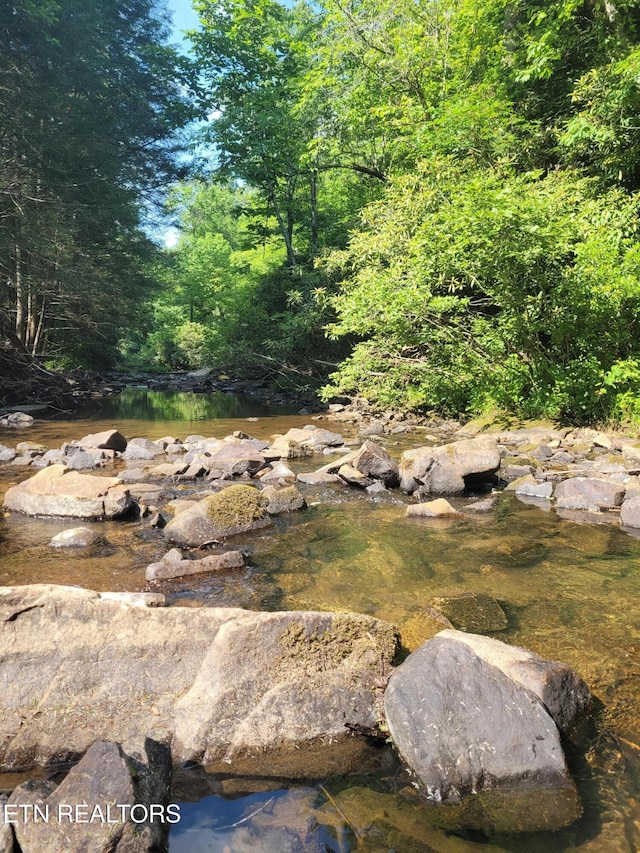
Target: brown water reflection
570,591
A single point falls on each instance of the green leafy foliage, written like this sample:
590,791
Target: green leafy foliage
489,289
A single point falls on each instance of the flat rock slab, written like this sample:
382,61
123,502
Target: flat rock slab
471,734
587,493
269,695
58,491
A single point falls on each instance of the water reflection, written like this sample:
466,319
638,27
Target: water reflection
140,404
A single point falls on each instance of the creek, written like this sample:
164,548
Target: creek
570,592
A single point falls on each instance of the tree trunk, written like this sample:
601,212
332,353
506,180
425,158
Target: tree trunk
20,312
287,235
313,195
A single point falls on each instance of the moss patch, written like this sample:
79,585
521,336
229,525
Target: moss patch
236,506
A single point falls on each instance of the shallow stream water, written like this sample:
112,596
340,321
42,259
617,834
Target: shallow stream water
570,591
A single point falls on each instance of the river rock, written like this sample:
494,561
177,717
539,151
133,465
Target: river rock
286,448
17,420
279,473
110,439
442,470
268,695
439,508
318,478
468,730
81,460
287,499
475,612
167,569
84,811
169,469
630,512
299,679
6,832
30,448
374,461
353,477
76,537
7,454
142,448
236,509
532,488
58,491
236,458
631,458
588,493
485,505
314,439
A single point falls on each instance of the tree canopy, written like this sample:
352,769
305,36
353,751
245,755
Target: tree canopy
434,200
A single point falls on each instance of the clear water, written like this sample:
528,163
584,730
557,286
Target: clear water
570,591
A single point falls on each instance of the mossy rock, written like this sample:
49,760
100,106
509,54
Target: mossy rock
236,509
236,505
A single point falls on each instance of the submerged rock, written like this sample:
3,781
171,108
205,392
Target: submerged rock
439,508
76,537
474,612
171,568
58,491
287,499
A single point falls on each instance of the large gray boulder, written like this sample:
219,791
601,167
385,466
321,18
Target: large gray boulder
442,470
468,715
236,509
269,695
103,805
58,491
588,493
276,680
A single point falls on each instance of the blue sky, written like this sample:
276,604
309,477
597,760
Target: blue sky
184,18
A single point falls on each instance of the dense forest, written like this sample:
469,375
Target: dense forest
429,203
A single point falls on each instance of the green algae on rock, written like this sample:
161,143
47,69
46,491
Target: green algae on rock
236,509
